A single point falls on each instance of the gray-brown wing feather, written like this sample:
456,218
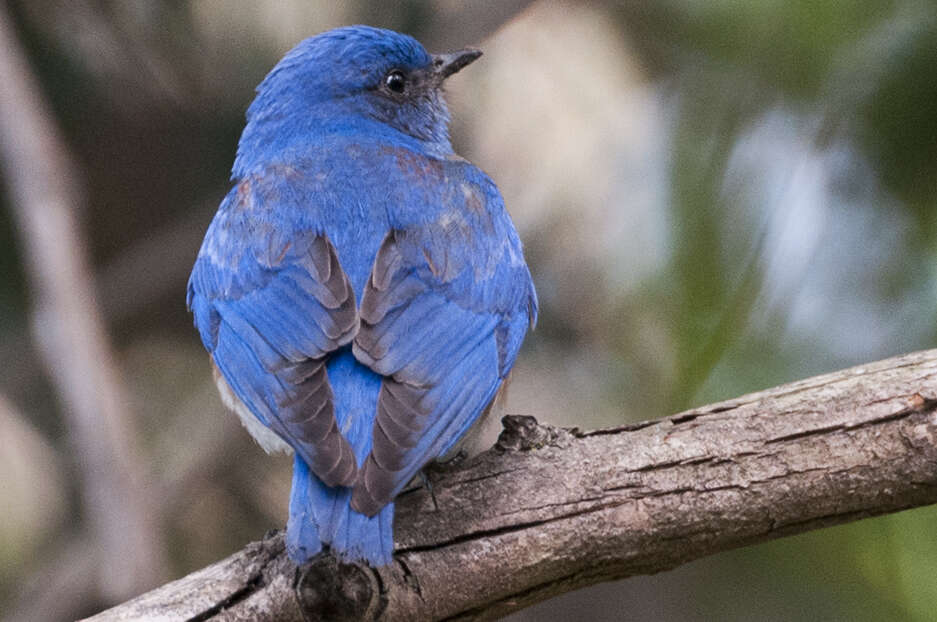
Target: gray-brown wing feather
306,409
307,414
400,420
295,308
438,358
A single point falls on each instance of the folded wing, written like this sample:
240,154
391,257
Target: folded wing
271,301
442,318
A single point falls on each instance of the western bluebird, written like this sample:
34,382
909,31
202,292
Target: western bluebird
361,289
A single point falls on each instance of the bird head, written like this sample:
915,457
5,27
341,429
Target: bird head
348,78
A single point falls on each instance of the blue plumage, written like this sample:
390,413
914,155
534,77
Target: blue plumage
361,290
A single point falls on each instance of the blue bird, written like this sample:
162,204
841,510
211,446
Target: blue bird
361,290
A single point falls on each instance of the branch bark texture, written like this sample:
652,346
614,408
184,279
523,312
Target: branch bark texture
550,510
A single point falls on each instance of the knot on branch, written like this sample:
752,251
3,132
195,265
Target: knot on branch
523,433
922,437
327,589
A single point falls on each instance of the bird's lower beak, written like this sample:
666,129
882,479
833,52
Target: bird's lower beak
444,65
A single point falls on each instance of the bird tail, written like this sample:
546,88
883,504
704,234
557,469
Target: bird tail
321,516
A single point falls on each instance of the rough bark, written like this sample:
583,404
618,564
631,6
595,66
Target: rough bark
549,510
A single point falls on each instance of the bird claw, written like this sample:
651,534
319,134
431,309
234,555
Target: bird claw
429,487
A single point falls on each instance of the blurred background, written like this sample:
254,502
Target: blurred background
715,197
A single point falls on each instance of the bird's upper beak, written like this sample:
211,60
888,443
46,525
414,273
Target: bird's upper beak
444,65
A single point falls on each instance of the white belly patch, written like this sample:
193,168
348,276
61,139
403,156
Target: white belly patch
265,437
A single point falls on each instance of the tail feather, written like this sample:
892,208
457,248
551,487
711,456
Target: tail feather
302,532
321,516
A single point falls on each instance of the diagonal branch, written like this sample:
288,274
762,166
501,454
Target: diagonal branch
551,510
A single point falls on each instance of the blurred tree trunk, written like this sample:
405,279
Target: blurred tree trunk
70,334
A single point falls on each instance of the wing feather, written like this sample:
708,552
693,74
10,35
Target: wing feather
271,303
442,317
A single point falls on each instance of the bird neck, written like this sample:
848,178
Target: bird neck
278,137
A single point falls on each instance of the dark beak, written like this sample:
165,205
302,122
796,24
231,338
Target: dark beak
444,65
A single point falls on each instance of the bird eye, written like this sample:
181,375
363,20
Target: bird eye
396,81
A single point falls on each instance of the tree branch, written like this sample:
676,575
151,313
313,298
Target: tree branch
549,510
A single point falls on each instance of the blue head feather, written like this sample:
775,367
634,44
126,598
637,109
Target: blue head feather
335,82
